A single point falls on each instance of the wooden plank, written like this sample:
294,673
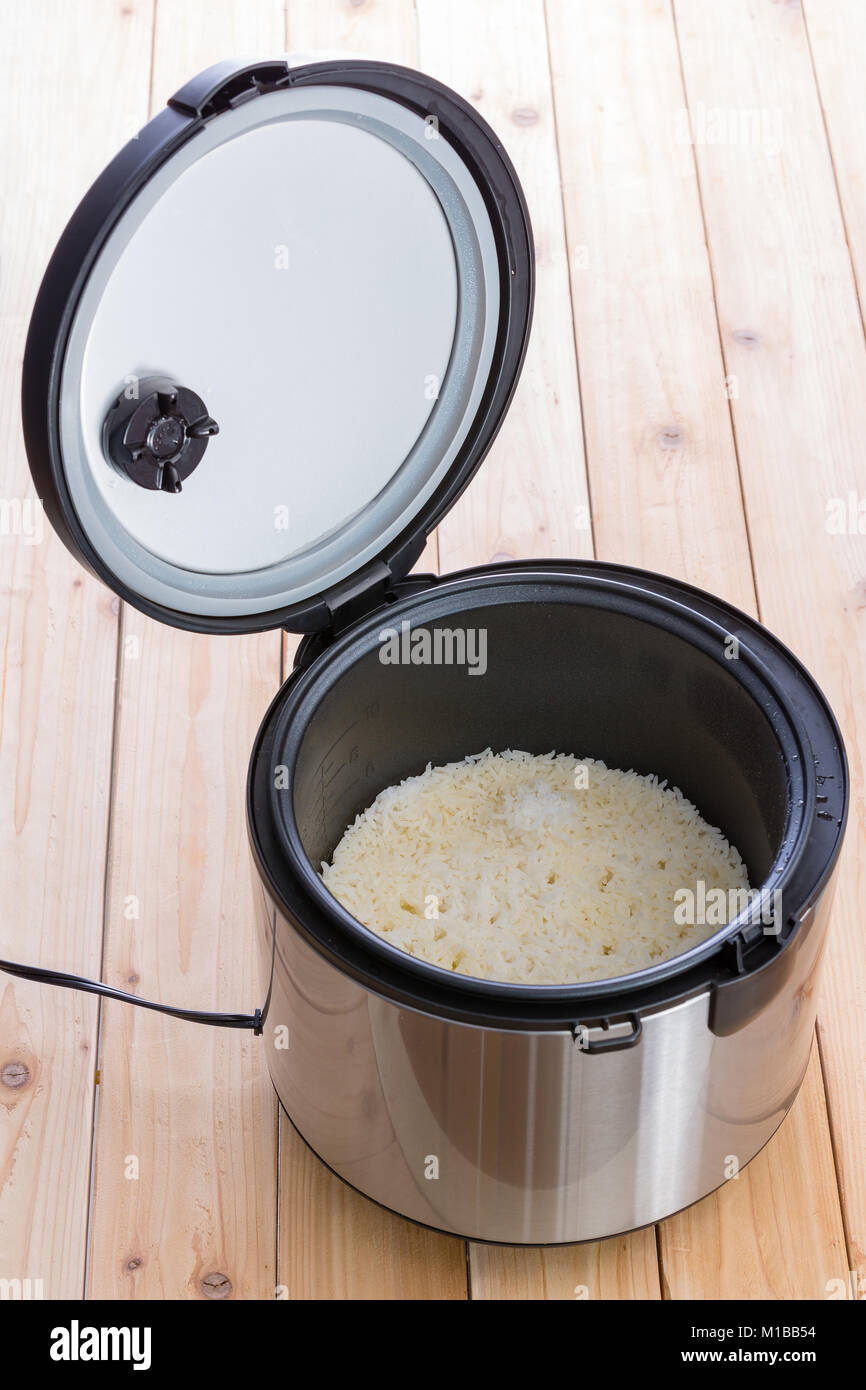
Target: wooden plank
837,39
372,29
340,1245
530,496
663,470
793,337
664,477
623,1267
58,655
189,1112
333,1242
191,35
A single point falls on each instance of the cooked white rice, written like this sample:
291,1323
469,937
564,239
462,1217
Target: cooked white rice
511,866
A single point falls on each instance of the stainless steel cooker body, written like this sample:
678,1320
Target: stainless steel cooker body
524,1136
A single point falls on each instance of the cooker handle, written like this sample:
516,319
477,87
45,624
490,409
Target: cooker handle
613,1042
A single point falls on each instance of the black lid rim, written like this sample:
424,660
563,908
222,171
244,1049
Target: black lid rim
201,100
375,963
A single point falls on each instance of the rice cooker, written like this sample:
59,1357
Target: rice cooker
271,349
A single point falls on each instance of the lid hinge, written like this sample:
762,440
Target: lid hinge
344,605
369,589
358,596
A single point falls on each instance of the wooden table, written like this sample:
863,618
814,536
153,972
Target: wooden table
693,401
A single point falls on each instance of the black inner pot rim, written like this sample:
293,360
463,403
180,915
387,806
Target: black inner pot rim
673,615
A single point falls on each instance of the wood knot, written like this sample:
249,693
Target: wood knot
524,115
671,438
216,1286
15,1075
135,1263
501,556
132,979
746,337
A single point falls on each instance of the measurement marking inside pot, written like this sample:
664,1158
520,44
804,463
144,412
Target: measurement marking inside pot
328,751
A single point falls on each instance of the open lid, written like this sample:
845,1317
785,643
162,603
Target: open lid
276,340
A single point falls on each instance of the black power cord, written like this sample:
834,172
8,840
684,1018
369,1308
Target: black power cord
58,977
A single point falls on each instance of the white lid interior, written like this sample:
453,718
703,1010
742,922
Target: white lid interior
319,267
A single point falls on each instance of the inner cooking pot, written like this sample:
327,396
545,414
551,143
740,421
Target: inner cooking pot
572,666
